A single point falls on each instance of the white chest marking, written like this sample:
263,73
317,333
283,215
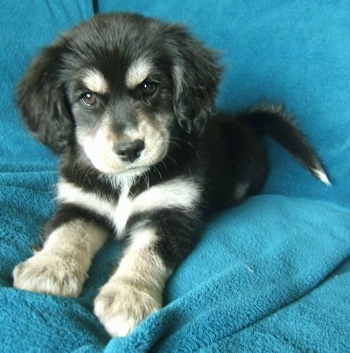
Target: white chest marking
122,211
183,193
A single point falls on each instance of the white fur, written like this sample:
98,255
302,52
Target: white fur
122,211
137,72
70,193
60,268
320,174
241,190
95,81
175,193
180,192
135,289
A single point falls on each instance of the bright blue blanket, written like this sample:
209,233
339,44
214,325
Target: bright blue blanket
272,275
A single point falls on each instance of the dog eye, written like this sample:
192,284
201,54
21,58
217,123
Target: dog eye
89,99
149,88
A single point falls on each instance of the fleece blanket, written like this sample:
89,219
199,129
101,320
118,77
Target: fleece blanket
271,275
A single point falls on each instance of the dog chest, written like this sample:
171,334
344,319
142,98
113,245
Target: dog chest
177,193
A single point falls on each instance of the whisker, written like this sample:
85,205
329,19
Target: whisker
145,177
159,173
185,141
175,143
171,158
86,176
165,166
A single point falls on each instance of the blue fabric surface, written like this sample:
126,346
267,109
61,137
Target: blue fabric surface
270,275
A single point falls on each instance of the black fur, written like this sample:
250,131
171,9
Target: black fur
223,154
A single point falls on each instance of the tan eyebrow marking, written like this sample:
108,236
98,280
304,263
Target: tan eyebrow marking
137,72
95,81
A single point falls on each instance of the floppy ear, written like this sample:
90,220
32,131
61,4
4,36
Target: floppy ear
196,75
42,102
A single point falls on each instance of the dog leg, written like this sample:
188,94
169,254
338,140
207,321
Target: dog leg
135,289
159,242
60,268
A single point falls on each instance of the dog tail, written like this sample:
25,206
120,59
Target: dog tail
273,122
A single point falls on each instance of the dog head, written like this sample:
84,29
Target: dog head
116,88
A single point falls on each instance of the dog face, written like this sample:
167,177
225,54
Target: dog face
118,89
122,123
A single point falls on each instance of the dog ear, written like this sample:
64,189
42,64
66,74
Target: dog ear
196,75
42,102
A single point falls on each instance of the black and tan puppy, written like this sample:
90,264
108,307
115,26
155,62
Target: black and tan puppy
128,103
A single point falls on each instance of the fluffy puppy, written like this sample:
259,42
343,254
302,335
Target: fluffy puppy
128,103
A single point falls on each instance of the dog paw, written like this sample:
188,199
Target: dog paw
50,273
121,306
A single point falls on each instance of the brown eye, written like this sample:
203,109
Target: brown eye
149,88
89,99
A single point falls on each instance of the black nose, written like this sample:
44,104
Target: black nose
130,151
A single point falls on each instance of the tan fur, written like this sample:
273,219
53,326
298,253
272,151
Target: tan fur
60,268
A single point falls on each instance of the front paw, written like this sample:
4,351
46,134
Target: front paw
121,306
50,273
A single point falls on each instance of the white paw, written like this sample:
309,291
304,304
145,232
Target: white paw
50,273
120,306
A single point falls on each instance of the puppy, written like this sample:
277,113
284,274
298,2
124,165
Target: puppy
128,103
